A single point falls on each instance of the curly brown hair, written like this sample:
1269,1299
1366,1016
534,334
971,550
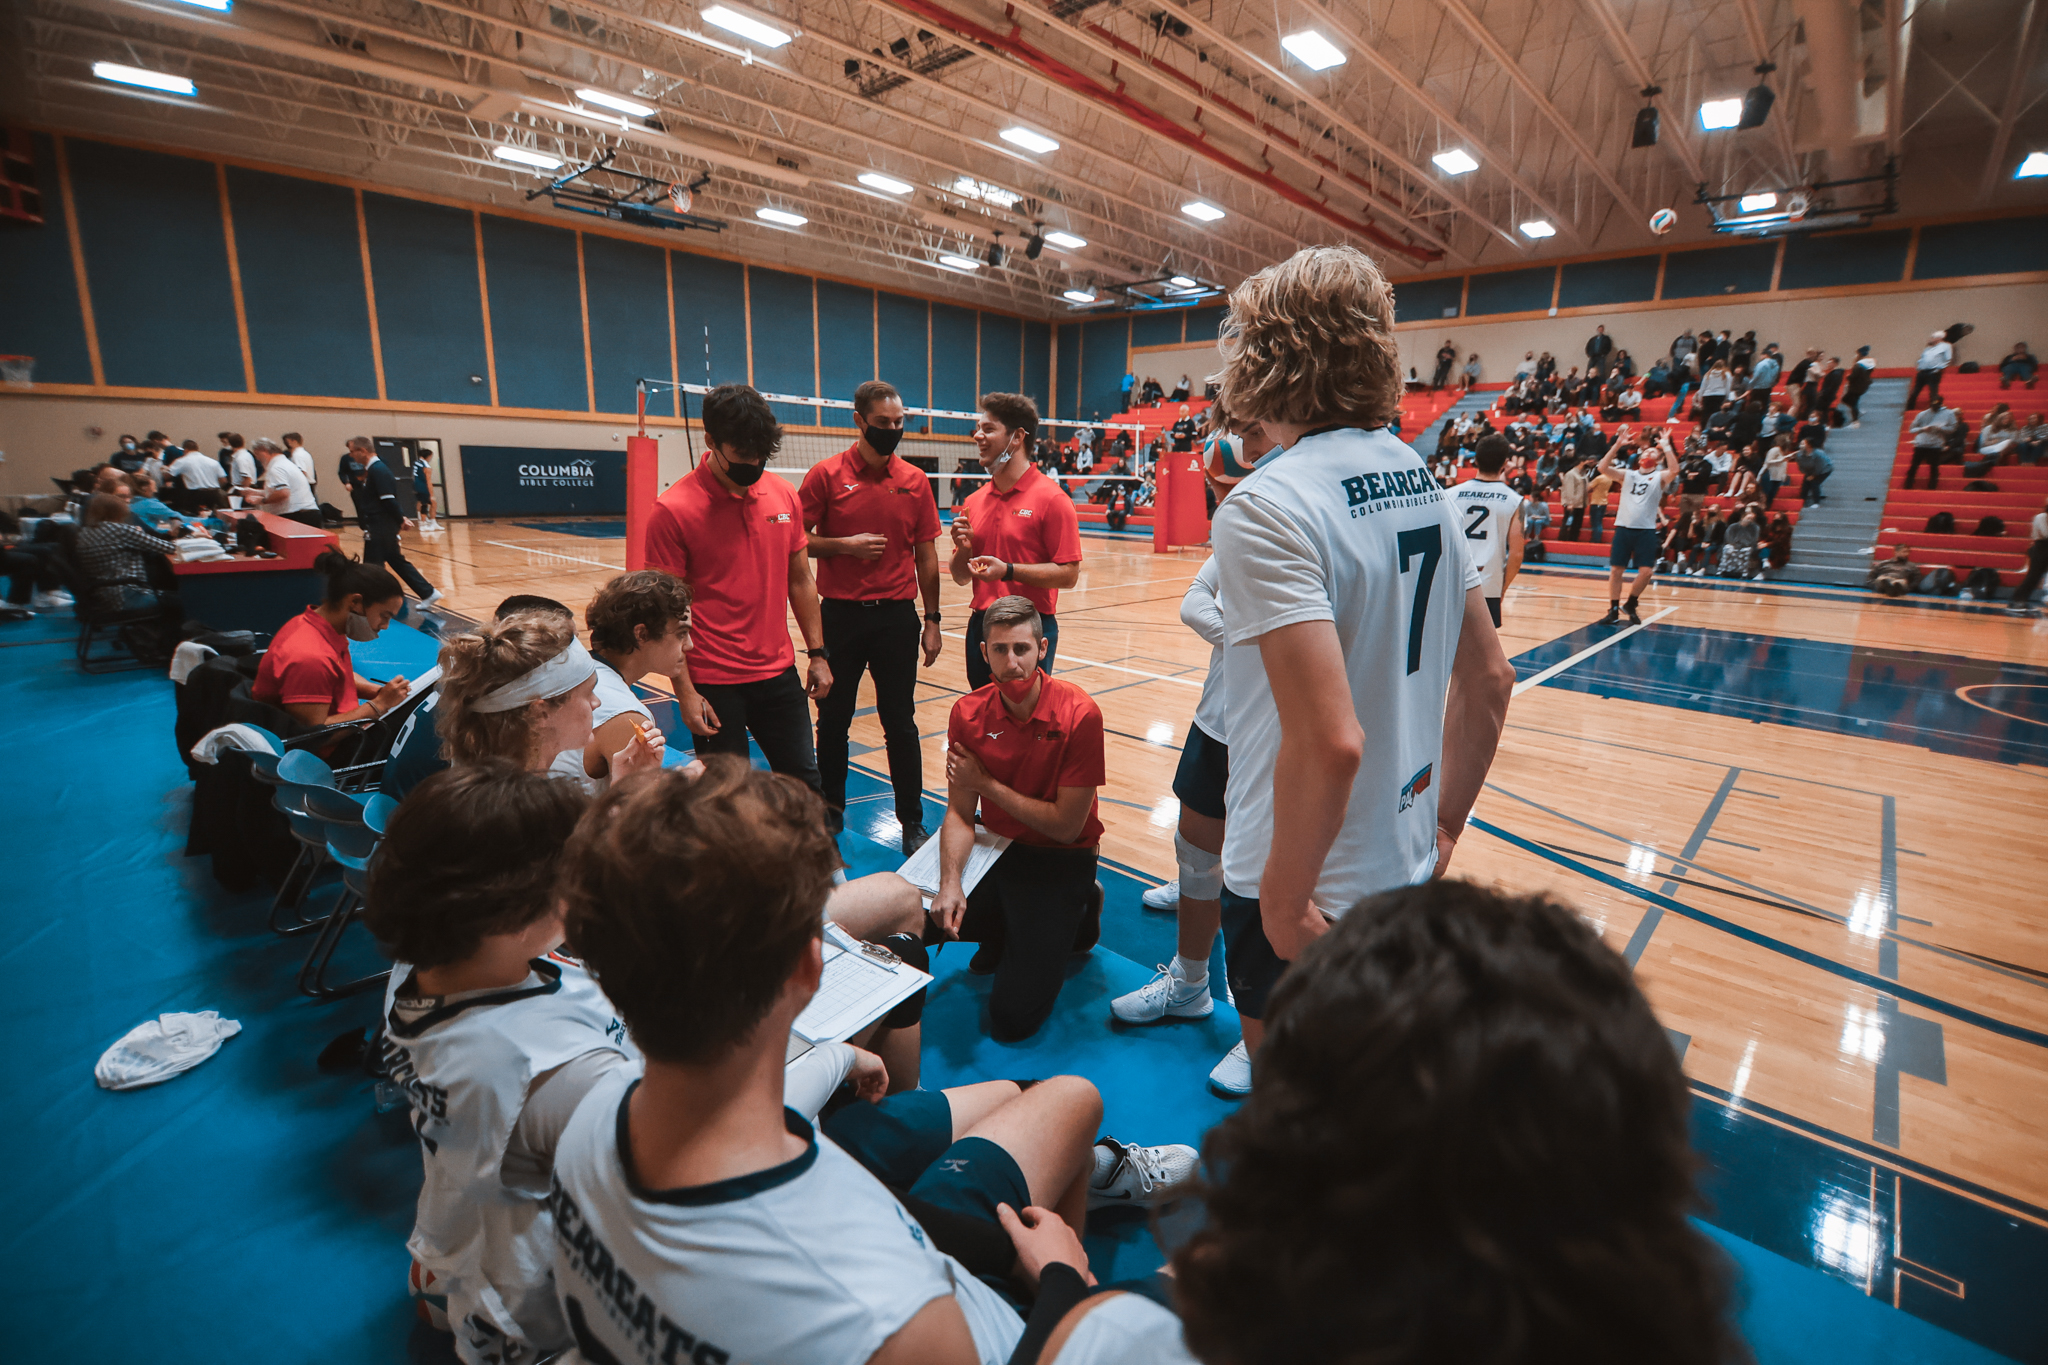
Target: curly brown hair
652,598
692,902
1468,1141
471,853
494,655
1311,341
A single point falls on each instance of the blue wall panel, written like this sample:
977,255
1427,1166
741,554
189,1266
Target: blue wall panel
1068,340
783,340
1419,300
1589,284
628,321
953,366
904,356
430,315
39,313
302,285
1511,291
1845,258
1104,352
1038,364
1719,270
1002,353
536,314
711,311
1203,322
156,254
846,344
1158,329
1995,246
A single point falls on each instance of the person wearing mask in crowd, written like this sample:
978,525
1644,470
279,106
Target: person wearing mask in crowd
307,670
1333,614
127,454
737,538
1016,535
2019,366
383,520
1742,475
1695,482
1935,357
873,528
1932,429
286,492
1814,468
1598,347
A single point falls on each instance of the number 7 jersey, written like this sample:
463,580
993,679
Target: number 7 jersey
1345,526
1484,507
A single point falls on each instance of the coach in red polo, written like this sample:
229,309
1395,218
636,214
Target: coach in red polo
735,534
1019,534
874,531
1027,750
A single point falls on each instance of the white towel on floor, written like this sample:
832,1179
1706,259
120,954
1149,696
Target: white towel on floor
246,737
163,1047
187,657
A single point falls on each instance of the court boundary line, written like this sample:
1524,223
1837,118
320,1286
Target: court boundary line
1588,652
552,554
1961,1013
1816,592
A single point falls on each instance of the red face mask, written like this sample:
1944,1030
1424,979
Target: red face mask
1018,689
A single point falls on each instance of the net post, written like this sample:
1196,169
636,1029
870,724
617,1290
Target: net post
1180,506
643,479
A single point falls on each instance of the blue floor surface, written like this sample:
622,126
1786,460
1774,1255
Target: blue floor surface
256,1209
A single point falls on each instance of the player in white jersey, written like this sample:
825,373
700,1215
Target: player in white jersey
1366,686
1490,518
1644,474
1181,988
695,1215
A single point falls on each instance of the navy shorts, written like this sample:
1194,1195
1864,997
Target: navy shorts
1248,957
972,1176
1203,772
896,1139
1635,547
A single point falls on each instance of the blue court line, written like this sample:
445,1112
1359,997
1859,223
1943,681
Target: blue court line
1647,927
1814,591
2017,1032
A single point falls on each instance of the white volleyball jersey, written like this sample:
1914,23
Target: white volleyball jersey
1126,1329
1199,613
615,697
1641,493
811,1262
1345,526
1484,509
467,1068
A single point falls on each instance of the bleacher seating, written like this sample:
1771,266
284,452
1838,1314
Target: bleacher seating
2022,489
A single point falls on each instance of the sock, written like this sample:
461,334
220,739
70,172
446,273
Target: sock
1194,971
1614,604
1632,599
1105,1162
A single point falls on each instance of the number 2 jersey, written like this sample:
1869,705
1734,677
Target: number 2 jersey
1484,509
1345,526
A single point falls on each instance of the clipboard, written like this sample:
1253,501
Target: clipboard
861,983
921,869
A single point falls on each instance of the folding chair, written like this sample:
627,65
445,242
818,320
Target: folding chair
350,844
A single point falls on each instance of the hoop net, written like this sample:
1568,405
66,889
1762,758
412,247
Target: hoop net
17,371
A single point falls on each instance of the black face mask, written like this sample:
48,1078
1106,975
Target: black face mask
882,440
744,473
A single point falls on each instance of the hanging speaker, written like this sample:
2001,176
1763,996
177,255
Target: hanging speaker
1646,127
1756,107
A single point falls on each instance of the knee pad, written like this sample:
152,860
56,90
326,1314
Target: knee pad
909,1011
1201,872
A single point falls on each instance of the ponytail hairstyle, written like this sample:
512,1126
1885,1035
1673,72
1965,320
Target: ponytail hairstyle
484,661
347,577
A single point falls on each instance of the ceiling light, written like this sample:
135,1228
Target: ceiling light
1079,296
611,101
1181,282
1207,213
1456,161
2035,164
1538,228
1072,243
1313,50
221,5
887,184
747,27
979,189
1721,113
782,216
538,160
959,263
1028,140
148,80
1757,203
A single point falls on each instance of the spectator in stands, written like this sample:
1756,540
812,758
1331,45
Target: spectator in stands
1152,394
196,473
1931,431
2037,563
1715,386
1695,482
1546,366
30,566
286,492
1832,376
1895,577
1130,382
1526,367
1858,383
1742,354
1739,554
1186,427
244,471
1572,497
1597,489
1721,350
1682,348
1471,372
1658,381
1814,468
1777,546
1935,357
1599,347
1763,376
1535,519
150,513
1446,357
1996,440
1778,421
115,554
1181,390
1742,476
307,670
1710,533
2031,443
2019,364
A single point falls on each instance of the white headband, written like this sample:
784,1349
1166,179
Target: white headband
551,679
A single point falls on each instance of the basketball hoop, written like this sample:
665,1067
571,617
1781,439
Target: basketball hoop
17,371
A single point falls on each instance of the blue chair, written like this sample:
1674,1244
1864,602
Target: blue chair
290,799
351,845
306,770
377,812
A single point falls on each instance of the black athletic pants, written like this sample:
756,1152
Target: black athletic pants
1929,380
1034,909
882,638
1931,456
775,711
382,547
979,675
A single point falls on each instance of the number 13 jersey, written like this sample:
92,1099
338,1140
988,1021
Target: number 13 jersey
1345,526
1484,506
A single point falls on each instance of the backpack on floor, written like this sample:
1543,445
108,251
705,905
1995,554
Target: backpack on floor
1941,524
1967,367
1982,582
1990,526
1941,582
1980,486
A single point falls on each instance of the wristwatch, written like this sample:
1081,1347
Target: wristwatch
933,617
1009,572
819,653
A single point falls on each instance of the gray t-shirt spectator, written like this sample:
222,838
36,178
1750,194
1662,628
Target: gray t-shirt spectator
1932,426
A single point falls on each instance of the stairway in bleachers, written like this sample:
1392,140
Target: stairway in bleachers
1833,541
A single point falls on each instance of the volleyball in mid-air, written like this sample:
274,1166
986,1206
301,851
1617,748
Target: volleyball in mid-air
1662,221
1223,458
